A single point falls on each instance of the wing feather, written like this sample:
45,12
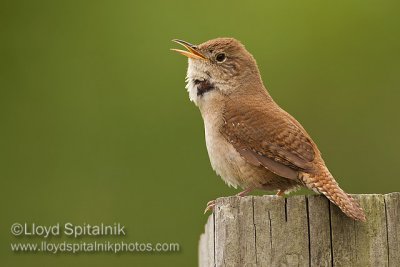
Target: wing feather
269,138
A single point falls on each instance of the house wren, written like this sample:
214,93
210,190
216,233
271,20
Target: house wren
251,141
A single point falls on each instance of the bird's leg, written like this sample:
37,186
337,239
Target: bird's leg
245,192
211,204
280,193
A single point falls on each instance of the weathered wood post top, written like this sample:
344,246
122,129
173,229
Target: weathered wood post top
301,231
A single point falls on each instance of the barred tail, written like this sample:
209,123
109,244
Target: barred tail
326,184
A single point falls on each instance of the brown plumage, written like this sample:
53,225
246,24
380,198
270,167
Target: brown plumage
267,136
251,141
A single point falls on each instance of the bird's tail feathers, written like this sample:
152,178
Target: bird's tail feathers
327,185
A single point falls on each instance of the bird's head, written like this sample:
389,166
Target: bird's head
217,67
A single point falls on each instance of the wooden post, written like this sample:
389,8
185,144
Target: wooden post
301,231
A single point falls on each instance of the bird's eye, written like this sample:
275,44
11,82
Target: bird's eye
220,57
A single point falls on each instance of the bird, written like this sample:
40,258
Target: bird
251,141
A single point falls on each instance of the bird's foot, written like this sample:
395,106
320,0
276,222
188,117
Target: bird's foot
245,192
210,206
280,193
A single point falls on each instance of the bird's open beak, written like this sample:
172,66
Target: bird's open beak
192,50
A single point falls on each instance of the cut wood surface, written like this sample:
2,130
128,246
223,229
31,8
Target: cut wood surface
301,231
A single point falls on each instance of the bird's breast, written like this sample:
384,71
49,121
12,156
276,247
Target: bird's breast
224,158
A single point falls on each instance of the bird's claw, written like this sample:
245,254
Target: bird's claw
210,206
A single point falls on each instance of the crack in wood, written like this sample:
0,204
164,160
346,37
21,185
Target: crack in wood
308,231
255,230
330,233
215,239
270,230
387,231
286,218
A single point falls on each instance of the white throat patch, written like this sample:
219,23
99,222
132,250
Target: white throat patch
194,72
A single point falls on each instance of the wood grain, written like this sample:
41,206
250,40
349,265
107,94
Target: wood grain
301,231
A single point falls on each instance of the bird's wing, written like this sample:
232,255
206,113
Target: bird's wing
269,138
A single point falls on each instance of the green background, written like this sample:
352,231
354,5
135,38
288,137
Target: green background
96,126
